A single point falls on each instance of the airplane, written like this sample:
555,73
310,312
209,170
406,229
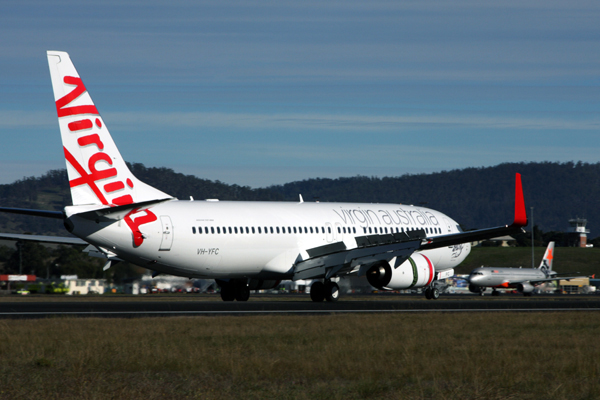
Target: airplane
523,280
243,245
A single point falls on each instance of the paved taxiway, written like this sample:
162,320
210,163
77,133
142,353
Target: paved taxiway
41,307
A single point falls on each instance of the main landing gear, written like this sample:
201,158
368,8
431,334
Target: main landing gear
432,293
327,290
234,289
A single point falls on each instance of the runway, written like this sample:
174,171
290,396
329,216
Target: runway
157,306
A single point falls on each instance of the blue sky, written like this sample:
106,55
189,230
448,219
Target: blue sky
268,92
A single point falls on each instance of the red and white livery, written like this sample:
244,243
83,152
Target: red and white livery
243,245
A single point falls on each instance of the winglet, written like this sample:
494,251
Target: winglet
520,214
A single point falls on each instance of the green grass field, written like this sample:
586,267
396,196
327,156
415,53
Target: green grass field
385,356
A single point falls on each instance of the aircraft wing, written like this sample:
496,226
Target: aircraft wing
481,234
336,258
556,278
43,238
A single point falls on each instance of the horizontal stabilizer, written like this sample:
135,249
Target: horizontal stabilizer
114,213
43,239
35,213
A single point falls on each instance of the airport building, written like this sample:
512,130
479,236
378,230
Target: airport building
577,232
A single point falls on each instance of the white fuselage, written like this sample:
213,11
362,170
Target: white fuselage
504,277
264,240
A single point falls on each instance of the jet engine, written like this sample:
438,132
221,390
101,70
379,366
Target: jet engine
525,287
259,284
417,271
475,288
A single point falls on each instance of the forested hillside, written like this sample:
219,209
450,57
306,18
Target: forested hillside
476,197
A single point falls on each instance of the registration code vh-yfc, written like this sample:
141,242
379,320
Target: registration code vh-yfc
209,252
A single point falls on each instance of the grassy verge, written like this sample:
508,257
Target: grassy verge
467,356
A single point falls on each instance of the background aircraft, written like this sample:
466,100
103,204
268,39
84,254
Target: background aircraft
523,280
243,245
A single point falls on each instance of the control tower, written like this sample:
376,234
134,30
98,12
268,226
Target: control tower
577,232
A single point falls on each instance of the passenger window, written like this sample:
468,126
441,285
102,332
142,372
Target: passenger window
305,230
194,230
277,230
206,230
253,230
212,230
329,229
241,229
247,230
295,230
272,230
259,231
311,230
289,230
218,230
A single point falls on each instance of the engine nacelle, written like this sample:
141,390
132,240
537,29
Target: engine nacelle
417,271
475,288
259,284
525,287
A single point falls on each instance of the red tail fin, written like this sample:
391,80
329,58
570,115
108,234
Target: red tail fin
520,214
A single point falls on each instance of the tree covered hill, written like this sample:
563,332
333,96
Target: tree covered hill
475,197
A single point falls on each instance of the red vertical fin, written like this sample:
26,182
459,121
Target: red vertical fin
520,214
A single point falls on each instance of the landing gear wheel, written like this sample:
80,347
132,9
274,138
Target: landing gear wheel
435,293
317,292
332,291
428,293
227,292
242,293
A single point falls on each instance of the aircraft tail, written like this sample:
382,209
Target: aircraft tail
98,175
546,264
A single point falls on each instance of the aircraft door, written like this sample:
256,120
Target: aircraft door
329,235
167,233
448,225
